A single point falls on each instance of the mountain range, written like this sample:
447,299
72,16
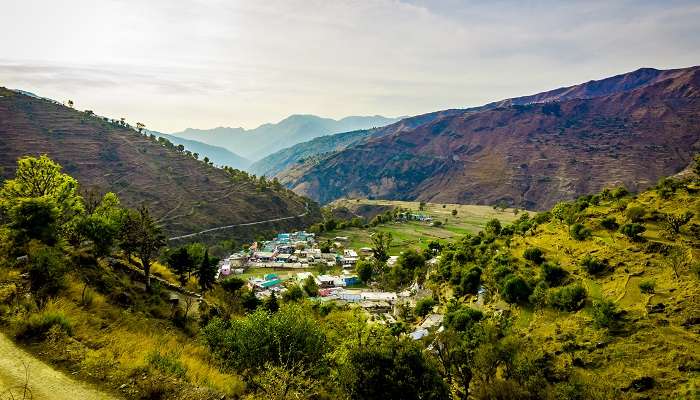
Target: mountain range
186,195
266,139
531,151
218,155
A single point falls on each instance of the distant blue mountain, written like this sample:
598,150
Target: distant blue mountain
218,155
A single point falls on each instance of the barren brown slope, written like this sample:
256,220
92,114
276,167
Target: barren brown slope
185,194
630,129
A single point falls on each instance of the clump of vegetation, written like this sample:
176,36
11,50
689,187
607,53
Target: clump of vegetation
553,273
515,289
633,230
647,286
593,265
605,314
534,254
568,298
580,232
609,223
37,326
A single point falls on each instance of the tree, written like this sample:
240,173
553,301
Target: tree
140,127
674,222
454,213
42,177
70,103
534,254
364,270
493,227
515,289
635,213
206,274
46,271
605,313
206,160
35,219
271,303
311,287
146,237
381,241
294,293
180,148
181,263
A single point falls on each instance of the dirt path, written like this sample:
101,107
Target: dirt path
44,382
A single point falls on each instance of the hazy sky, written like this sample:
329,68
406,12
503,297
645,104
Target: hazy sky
174,64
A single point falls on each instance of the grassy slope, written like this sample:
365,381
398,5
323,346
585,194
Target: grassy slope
655,345
415,234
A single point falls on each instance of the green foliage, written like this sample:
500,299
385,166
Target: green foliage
37,326
515,289
493,227
632,231
294,293
390,368
181,263
538,298
463,318
579,232
381,241
288,337
364,269
605,313
469,281
424,306
534,254
674,222
568,298
232,284
609,223
409,266
42,178
167,363
553,274
311,287
647,286
46,271
206,274
35,219
592,265
140,233
542,217
635,213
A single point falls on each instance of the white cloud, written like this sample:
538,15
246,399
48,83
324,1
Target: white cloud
174,64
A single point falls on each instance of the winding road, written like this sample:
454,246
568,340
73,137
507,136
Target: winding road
219,228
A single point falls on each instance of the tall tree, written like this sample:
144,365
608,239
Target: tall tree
146,237
380,245
181,262
206,273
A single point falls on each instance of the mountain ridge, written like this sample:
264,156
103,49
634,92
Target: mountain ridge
447,157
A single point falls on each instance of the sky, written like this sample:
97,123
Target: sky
208,63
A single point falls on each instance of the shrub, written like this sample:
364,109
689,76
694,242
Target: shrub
534,254
515,289
46,272
647,286
232,284
632,231
553,274
568,298
493,227
605,313
469,281
592,265
542,217
635,213
609,223
38,325
424,306
538,298
294,293
578,231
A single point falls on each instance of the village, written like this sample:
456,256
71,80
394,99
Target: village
300,257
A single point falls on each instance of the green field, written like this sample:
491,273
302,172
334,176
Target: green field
415,234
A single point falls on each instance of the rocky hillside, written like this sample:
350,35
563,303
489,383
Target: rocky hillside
185,194
530,152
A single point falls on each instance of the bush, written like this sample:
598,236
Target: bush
609,223
578,231
515,289
635,213
469,281
568,298
46,271
542,217
232,284
294,293
632,231
592,265
605,313
534,254
538,298
38,325
424,306
647,286
553,274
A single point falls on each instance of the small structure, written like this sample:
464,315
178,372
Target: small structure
419,333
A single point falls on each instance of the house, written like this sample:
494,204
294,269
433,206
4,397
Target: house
379,296
418,334
326,280
366,251
432,321
349,253
284,258
263,256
